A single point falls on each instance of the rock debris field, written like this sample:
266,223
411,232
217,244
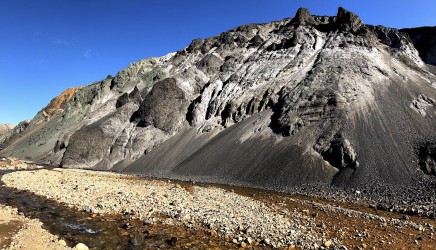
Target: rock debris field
250,220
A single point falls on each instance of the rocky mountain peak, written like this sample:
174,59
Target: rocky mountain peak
348,21
303,17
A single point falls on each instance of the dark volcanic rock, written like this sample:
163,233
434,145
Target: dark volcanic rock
388,36
348,21
134,96
303,17
427,158
89,145
338,152
164,107
424,39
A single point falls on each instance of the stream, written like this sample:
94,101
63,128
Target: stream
106,231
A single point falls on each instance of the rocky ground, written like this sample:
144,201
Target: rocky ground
19,232
235,216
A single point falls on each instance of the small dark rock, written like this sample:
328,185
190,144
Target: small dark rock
172,241
127,225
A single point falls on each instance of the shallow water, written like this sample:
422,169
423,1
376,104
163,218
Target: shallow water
108,231
7,230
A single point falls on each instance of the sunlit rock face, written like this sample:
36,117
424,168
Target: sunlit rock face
304,100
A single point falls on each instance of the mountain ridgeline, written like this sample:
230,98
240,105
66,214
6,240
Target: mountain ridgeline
305,100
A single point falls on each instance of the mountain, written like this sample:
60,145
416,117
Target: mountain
305,100
6,127
5,131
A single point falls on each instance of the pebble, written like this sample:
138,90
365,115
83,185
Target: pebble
172,241
266,241
328,243
63,243
81,246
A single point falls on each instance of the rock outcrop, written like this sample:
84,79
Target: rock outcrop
164,107
304,100
303,17
348,21
424,39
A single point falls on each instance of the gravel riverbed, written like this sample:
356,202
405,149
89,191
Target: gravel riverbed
277,221
226,213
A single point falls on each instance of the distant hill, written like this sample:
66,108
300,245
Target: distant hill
6,127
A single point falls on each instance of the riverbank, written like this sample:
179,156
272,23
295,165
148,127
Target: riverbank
234,217
19,232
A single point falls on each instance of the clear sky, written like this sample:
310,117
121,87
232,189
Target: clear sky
47,46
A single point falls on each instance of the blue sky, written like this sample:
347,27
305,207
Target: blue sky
47,46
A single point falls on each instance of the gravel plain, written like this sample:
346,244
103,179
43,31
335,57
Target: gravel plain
244,218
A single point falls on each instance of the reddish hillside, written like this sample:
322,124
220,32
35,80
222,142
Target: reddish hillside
58,103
